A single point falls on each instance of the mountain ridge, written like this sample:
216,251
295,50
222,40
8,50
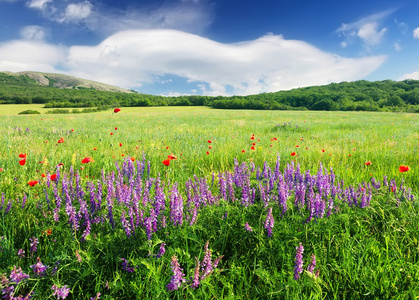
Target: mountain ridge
63,81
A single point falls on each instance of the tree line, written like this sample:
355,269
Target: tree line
362,95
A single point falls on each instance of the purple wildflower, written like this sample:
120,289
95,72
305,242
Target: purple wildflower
97,297
312,264
39,268
21,253
60,292
247,227
177,277
269,222
33,244
162,250
195,279
17,275
298,261
126,266
206,265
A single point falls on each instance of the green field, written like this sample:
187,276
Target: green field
361,250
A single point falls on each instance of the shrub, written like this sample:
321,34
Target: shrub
29,112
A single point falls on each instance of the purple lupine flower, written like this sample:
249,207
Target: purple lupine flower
34,243
78,256
21,253
223,185
312,264
25,198
269,222
60,292
125,224
162,250
177,277
298,269
247,227
126,266
17,275
39,268
176,206
195,279
206,265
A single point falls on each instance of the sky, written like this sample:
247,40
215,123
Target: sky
205,47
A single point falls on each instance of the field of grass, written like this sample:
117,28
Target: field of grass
246,189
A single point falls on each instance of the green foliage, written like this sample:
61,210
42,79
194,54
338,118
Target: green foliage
29,112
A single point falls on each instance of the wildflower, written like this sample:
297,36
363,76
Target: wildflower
247,227
43,175
209,141
207,152
72,130
116,128
22,162
297,146
243,151
171,156
33,244
132,158
49,231
269,222
368,163
21,253
252,137
17,275
298,261
312,264
162,250
61,140
293,154
97,297
87,160
120,144
78,256
39,268
195,280
252,148
22,155
60,292
177,277
111,133
322,150
209,147
33,182
116,110
166,162
404,168
126,266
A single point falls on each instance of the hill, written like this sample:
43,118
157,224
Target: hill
64,81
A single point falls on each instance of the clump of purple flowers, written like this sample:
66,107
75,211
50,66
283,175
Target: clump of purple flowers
162,250
34,243
298,269
39,268
17,275
126,266
177,277
247,227
60,292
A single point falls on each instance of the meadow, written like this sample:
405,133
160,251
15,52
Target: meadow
198,203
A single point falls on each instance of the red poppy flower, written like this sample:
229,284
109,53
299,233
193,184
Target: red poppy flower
368,163
120,144
209,147
207,152
171,156
53,177
122,154
116,128
293,154
87,160
270,145
243,151
322,150
61,165
349,155
404,168
43,175
22,155
252,137
252,148
61,140
33,182
1,169
253,144
132,158
209,141
49,231
116,110
22,162
111,133
166,162
297,146
167,147
72,130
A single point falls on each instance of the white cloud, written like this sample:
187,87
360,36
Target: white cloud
135,57
397,46
38,4
77,11
30,55
33,32
367,29
414,75
416,33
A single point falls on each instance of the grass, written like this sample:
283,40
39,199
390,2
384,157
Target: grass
361,252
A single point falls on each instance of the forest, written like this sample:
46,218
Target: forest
362,95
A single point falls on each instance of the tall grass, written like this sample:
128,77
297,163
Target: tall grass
361,251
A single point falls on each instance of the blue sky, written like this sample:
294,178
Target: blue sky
209,47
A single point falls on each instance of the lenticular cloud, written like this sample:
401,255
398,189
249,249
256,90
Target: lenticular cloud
132,58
